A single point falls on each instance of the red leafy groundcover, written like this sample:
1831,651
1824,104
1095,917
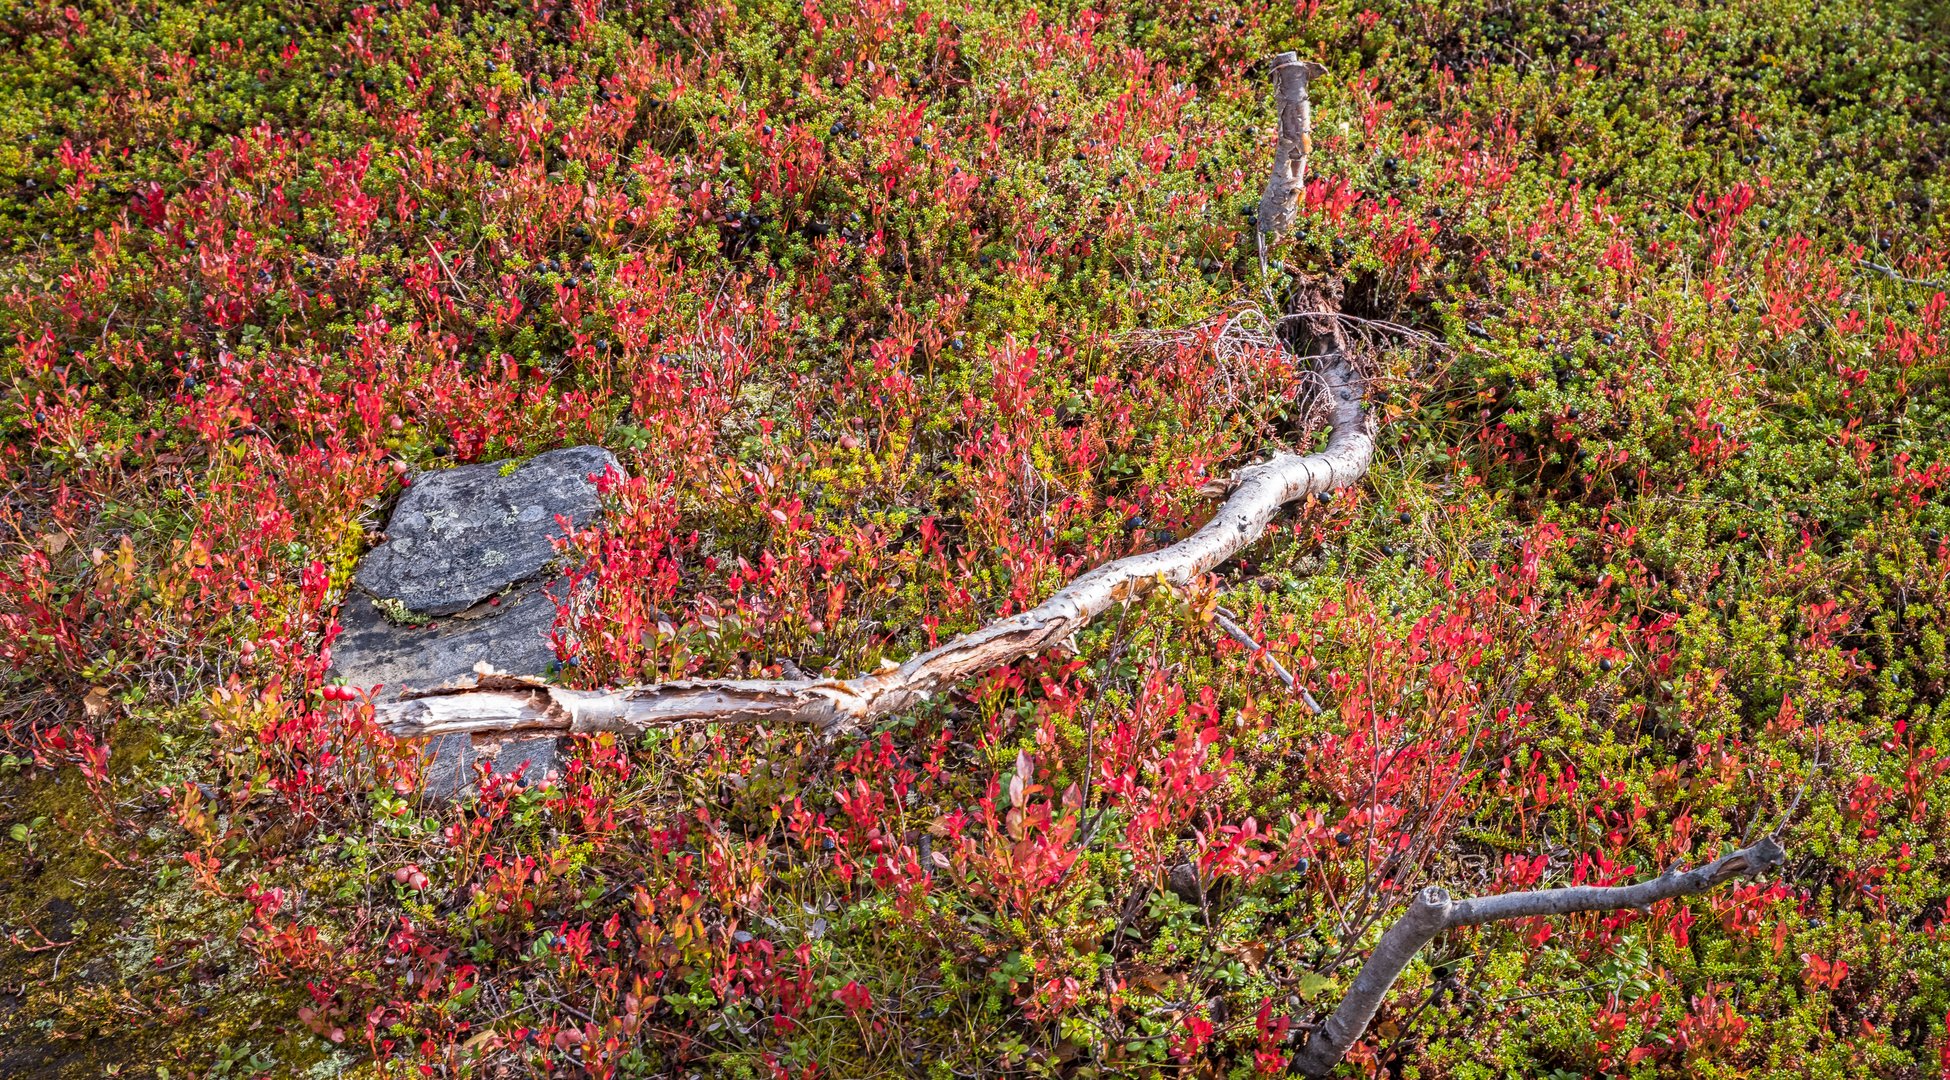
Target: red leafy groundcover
899,317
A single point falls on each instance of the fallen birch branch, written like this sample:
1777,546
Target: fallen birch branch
1432,911
502,703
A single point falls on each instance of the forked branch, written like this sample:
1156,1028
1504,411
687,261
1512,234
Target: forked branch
500,703
1433,911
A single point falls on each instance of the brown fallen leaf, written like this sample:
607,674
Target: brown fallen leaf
96,704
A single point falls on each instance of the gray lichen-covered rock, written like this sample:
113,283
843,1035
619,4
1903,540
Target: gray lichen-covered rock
376,654
461,535
451,767
457,539
386,658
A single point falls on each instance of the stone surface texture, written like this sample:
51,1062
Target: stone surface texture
458,538
461,535
387,659
452,760
379,655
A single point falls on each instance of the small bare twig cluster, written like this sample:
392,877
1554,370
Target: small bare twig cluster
1241,341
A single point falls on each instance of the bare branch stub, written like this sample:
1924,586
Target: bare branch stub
1433,910
1279,204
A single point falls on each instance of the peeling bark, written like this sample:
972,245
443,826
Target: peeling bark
1432,911
1280,202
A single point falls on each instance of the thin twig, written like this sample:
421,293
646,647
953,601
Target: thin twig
460,293
1226,622
1409,332
1893,275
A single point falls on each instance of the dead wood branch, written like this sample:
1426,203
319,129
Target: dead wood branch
1432,911
1894,275
501,703
1238,633
1252,646
506,703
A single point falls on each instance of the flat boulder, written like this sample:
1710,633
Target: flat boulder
461,582
386,658
461,535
